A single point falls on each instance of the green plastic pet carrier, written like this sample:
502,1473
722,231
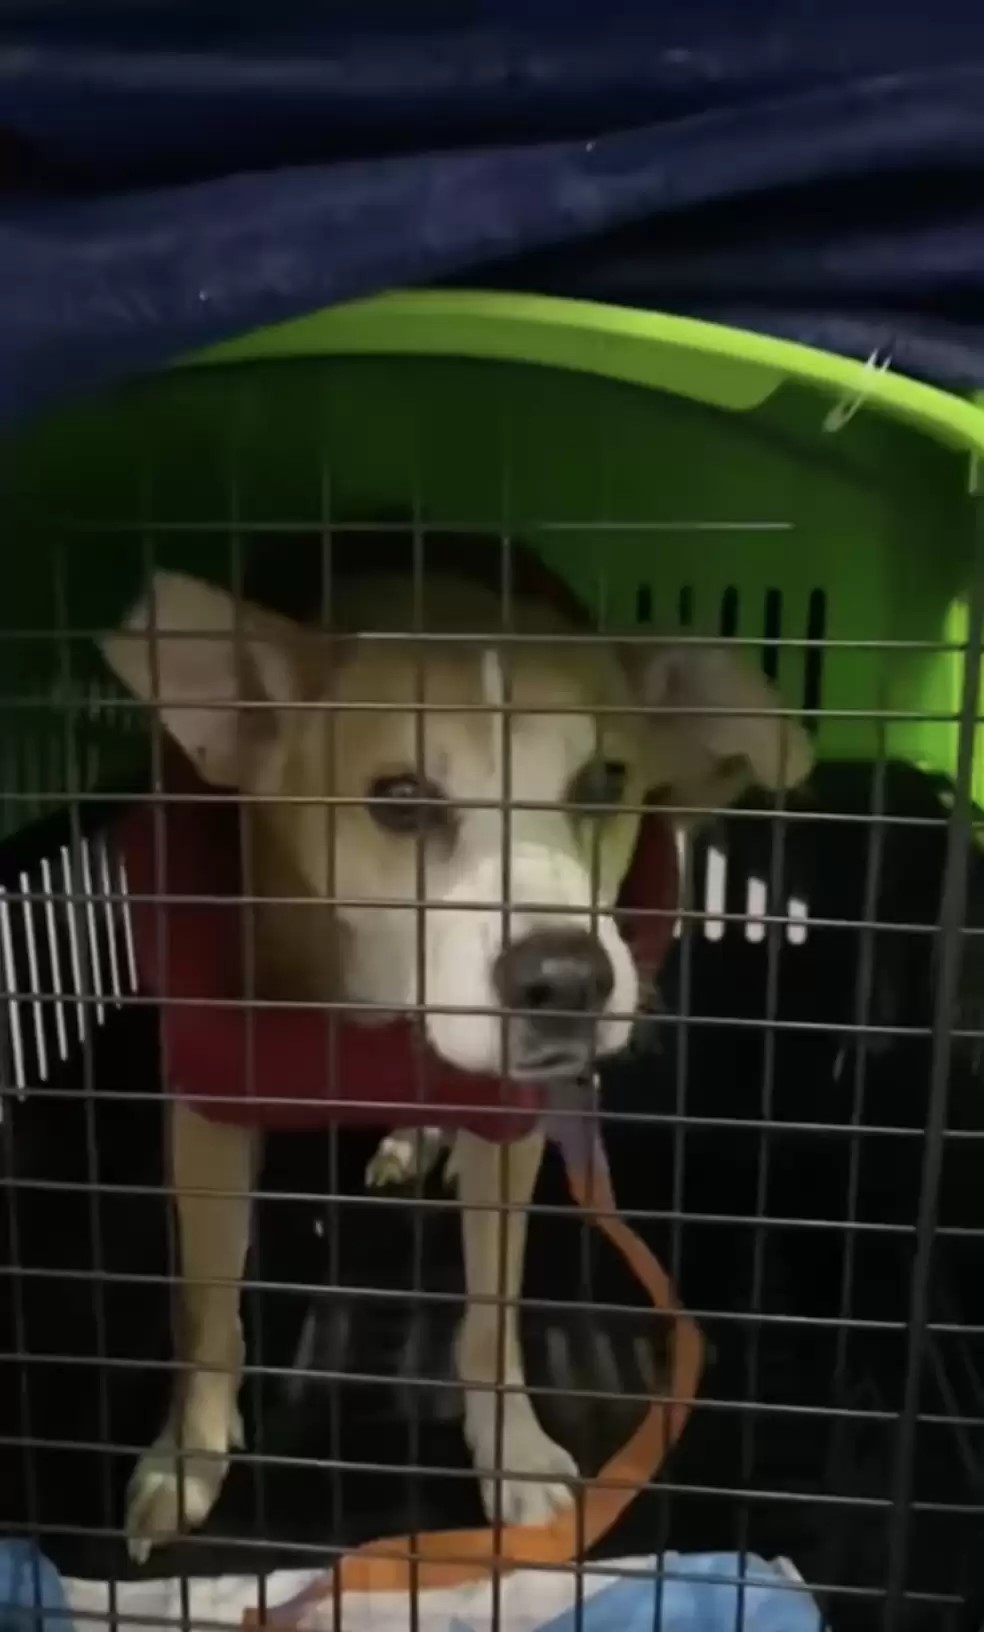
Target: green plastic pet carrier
679,475
682,479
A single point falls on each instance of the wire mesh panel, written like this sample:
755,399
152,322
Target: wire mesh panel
383,760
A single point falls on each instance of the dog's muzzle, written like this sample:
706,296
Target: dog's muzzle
555,984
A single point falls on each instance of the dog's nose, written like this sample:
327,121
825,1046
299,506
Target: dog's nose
554,969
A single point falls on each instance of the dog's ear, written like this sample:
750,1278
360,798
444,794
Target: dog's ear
710,757
194,652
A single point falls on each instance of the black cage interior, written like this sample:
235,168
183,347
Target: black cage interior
789,1218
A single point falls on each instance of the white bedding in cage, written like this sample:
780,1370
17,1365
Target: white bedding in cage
694,1593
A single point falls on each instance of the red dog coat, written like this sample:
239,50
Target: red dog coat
285,1067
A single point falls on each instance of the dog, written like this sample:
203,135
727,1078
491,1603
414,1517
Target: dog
432,896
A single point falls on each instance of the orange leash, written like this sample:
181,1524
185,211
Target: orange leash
447,1558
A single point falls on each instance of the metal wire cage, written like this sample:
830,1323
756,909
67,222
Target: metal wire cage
796,1133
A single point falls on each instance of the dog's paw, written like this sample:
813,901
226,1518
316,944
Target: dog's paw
170,1491
402,1157
538,1477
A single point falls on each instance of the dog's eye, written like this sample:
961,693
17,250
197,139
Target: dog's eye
600,782
408,804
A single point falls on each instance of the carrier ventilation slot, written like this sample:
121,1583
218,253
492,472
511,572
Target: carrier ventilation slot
644,604
772,631
730,606
729,619
816,629
66,957
710,894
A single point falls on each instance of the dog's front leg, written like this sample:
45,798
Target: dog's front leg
176,1482
495,1184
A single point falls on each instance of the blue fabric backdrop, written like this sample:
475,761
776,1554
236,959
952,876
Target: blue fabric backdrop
173,174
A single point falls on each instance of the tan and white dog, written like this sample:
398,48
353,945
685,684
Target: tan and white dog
402,834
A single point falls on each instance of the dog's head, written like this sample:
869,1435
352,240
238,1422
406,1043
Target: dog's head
468,805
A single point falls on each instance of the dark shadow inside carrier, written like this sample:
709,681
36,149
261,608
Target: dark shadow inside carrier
771,1150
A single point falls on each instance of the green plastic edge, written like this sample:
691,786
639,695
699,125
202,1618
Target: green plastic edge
728,368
